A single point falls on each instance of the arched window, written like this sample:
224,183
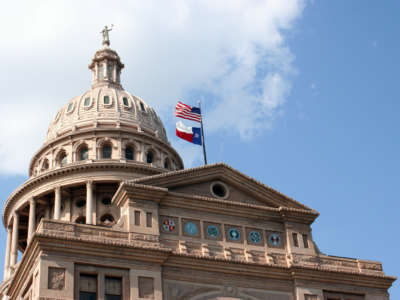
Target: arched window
45,165
83,153
62,159
106,151
149,157
80,220
129,153
167,164
107,220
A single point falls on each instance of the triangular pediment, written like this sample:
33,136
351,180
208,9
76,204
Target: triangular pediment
210,181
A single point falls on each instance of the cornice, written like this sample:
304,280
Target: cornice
187,176
131,191
237,208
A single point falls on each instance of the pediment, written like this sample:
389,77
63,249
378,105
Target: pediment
239,187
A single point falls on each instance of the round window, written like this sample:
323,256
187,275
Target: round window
219,190
80,203
106,201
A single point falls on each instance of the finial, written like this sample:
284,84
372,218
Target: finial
106,38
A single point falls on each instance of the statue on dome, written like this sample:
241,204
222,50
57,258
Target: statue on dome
106,38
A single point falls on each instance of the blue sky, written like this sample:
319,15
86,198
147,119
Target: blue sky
324,133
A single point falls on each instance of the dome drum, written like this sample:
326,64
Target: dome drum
50,157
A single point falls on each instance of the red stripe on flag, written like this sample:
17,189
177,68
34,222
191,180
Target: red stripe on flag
183,135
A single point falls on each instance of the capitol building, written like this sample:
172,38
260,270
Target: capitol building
109,212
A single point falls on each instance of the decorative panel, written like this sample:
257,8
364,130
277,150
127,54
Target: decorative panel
212,231
233,234
191,227
275,239
146,287
169,225
56,279
255,236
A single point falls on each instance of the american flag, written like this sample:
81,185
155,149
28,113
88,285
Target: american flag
187,112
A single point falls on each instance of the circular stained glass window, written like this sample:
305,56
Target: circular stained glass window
213,231
191,228
274,239
234,234
255,237
168,225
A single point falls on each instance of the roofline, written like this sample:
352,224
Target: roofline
217,165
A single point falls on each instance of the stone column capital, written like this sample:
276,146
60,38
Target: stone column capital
32,201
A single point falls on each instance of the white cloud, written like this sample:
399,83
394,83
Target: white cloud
233,51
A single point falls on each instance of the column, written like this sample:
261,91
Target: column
89,202
57,203
143,154
7,255
32,219
14,242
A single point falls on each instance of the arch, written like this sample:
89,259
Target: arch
45,165
106,151
150,156
167,163
129,152
83,152
61,158
80,220
101,143
107,219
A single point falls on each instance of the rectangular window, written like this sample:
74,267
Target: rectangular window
101,72
106,100
149,219
295,240
113,288
310,297
87,287
137,218
146,287
305,240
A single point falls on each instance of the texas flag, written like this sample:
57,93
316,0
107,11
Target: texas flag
190,134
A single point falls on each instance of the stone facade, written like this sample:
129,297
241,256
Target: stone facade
109,213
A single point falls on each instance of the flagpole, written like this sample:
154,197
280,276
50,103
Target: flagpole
202,136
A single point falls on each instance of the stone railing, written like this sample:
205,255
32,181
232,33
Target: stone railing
96,233
89,232
335,263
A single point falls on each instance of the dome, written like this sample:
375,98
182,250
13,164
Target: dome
106,106
106,103
108,125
